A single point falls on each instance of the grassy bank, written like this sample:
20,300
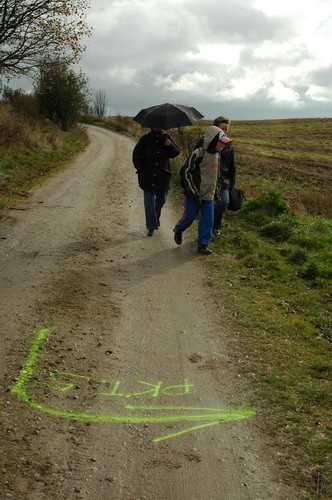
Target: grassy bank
32,149
273,270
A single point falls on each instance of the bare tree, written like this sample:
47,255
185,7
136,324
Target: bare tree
99,103
32,30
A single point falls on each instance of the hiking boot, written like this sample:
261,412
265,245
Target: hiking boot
150,232
178,237
203,249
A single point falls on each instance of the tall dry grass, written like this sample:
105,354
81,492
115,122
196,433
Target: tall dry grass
30,148
21,133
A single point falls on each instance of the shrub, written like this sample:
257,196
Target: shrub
297,256
271,202
277,231
316,270
313,233
61,94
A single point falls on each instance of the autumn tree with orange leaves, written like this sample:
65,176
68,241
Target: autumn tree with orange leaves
34,30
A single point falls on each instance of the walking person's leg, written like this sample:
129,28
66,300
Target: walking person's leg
217,217
205,226
160,202
220,208
224,204
150,212
191,207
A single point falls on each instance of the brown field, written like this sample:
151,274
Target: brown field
294,155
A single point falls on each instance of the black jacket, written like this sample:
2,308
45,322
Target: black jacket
227,167
151,160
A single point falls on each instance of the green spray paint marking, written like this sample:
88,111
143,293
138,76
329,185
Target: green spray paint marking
155,390
211,416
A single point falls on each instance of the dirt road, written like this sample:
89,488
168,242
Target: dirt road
117,378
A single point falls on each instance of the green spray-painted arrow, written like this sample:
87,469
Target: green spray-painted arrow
211,416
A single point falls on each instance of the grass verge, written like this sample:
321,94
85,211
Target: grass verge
273,270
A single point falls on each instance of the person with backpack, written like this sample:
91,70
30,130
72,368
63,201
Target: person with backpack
151,158
226,176
198,179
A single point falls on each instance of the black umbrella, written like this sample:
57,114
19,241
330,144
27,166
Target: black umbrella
166,116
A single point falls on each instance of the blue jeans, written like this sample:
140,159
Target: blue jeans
153,203
220,207
192,206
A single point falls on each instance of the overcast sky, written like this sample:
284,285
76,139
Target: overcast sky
246,59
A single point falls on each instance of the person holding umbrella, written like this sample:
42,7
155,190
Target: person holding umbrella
151,158
198,179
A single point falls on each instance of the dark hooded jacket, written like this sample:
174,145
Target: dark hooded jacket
200,169
151,158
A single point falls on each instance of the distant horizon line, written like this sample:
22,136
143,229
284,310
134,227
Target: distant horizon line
242,119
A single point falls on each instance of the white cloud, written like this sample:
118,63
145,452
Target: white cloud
280,93
216,53
278,52
319,94
246,87
302,9
122,74
190,82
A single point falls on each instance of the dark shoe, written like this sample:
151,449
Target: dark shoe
150,232
216,233
178,237
204,250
